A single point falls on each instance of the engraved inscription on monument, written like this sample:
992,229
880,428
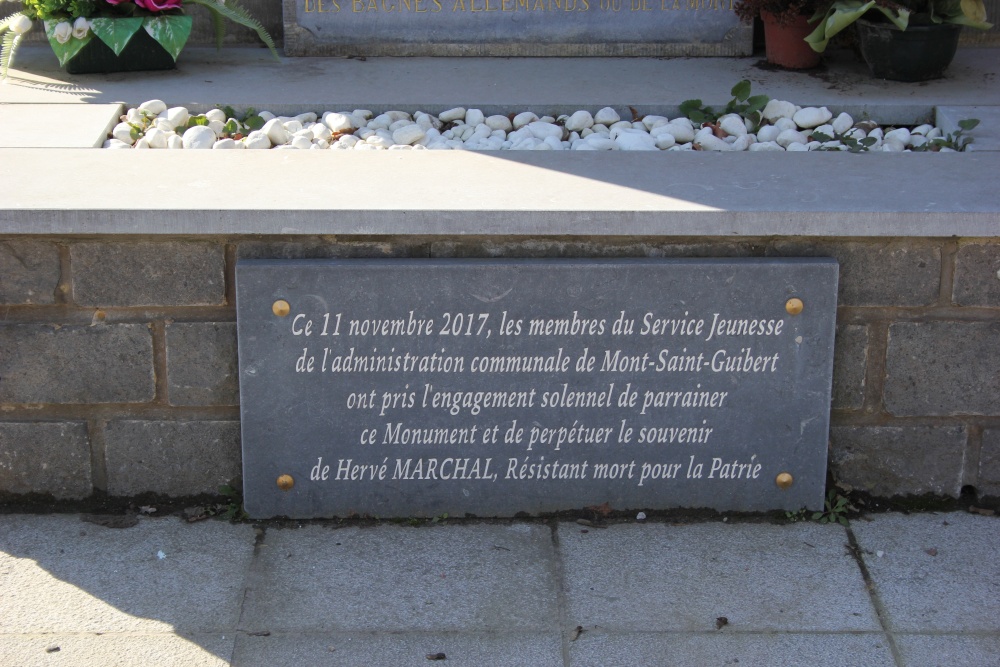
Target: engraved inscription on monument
514,28
417,387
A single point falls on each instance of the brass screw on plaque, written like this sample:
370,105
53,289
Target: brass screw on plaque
285,482
784,480
281,308
794,306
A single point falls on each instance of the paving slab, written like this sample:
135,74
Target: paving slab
473,649
745,649
62,575
123,650
482,578
934,650
937,572
56,125
250,77
665,578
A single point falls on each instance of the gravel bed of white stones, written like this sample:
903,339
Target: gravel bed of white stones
785,127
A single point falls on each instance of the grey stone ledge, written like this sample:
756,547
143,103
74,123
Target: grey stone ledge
500,193
466,193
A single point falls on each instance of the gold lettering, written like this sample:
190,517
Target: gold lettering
406,3
472,6
523,4
357,6
586,6
417,7
307,9
437,5
458,3
488,8
336,7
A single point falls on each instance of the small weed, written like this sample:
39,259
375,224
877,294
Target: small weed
742,103
233,510
835,509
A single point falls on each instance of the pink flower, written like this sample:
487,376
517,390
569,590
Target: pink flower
159,5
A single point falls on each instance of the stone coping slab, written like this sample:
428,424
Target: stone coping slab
466,193
472,194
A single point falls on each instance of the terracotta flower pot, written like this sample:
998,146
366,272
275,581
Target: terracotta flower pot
785,43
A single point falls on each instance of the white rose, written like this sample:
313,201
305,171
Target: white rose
21,24
81,26
63,32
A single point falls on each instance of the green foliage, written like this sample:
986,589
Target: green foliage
835,509
838,15
238,15
742,104
233,510
956,140
853,145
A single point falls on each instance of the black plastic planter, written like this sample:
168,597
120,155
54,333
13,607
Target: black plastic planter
919,53
142,53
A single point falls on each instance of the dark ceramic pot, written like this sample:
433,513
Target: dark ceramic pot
919,53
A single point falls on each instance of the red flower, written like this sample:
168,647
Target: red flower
158,5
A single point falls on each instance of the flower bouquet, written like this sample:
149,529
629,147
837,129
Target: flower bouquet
117,35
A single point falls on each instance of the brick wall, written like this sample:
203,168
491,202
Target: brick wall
118,358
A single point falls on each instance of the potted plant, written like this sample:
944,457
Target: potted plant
117,35
909,40
786,23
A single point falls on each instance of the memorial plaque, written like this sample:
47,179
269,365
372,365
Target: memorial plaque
514,28
420,387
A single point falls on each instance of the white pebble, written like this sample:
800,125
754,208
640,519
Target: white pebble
630,139
174,142
768,133
540,130
458,113
796,148
902,135
153,107
257,140
216,114
123,133
524,118
776,109
788,137
142,143
764,146
199,136
811,117
580,120
474,117
338,122
276,132
499,122
785,124
842,123
156,137
606,116
224,144
733,125
408,134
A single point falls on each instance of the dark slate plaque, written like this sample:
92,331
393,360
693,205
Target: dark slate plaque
421,387
514,28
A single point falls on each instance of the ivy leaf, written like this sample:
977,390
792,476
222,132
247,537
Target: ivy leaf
757,102
741,91
171,32
253,122
968,124
116,33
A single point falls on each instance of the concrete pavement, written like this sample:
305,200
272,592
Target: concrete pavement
892,589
